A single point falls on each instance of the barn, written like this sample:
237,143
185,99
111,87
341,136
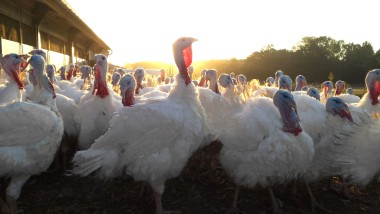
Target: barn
51,25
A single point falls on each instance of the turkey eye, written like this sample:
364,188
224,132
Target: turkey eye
103,58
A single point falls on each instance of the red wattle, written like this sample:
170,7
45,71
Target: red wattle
217,89
23,66
128,100
52,88
377,86
162,77
346,114
338,90
17,79
374,93
187,56
202,82
102,89
185,75
69,74
296,131
97,73
325,91
139,86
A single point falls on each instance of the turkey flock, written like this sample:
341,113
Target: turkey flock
91,121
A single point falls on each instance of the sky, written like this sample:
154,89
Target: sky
144,30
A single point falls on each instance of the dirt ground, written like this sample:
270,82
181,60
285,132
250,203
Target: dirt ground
201,188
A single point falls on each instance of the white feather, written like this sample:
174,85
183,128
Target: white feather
153,140
257,151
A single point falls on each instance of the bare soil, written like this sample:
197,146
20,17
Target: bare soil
201,188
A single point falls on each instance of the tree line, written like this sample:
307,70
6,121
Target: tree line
317,58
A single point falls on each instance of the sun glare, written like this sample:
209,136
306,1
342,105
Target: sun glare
145,30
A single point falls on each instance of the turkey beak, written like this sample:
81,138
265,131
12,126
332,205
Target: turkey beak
24,64
194,39
24,56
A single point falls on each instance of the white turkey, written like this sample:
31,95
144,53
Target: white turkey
323,123
115,81
62,72
265,144
370,100
152,140
218,109
269,81
313,92
234,101
277,76
339,87
300,82
349,97
94,113
285,83
202,80
11,66
30,134
50,71
282,82
326,91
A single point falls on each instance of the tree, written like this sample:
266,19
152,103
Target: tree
357,60
314,57
377,59
322,46
331,77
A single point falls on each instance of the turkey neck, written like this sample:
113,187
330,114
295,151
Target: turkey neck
373,87
101,85
299,86
291,121
184,74
128,98
16,78
214,86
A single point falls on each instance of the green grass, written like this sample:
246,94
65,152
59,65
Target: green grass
360,91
